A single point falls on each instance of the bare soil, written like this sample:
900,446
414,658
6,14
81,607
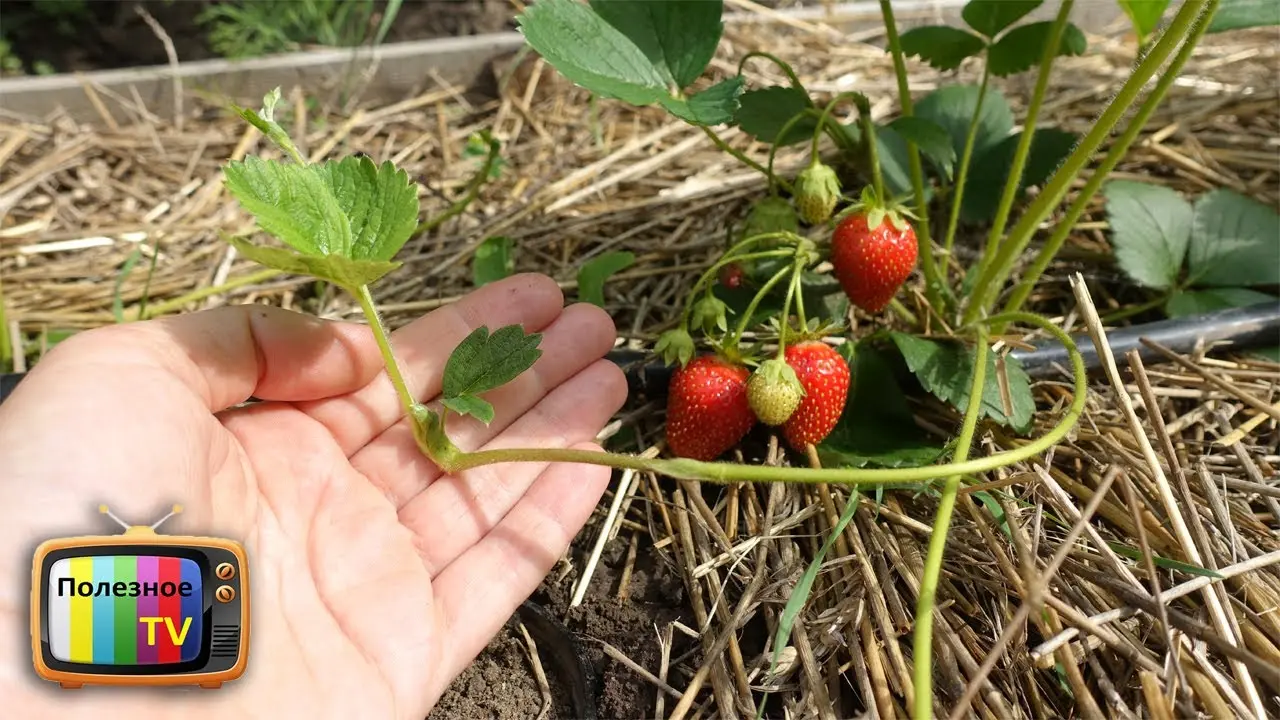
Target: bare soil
501,683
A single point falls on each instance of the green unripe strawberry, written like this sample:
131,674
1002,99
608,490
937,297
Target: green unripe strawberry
774,392
817,190
771,215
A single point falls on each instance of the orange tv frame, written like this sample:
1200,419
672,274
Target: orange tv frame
142,609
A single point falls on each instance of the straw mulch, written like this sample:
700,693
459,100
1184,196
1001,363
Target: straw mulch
1184,468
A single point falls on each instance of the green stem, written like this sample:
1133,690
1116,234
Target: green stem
178,303
384,345
1129,311
804,324
473,189
869,139
990,281
773,147
786,309
928,264
755,303
429,433
742,158
6,342
962,172
1014,181
791,74
1114,155
725,259
922,633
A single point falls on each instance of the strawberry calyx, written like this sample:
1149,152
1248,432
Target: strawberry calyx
877,210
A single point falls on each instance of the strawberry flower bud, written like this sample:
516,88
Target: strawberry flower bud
817,190
774,392
675,346
710,313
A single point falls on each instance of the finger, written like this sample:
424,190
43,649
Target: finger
478,592
458,510
579,337
423,347
226,355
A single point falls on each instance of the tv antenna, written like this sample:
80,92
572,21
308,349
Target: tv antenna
135,529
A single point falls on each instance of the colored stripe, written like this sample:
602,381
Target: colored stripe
82,612
148,606
191,608
59,613
104,614
126,650
170,610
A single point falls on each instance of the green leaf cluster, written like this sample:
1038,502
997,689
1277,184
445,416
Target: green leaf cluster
946,369
1208,255
643,52
944,116
344,219
1008,51
484,362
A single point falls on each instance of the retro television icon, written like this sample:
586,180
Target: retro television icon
140,608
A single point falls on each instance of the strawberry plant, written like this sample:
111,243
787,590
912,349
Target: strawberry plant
762,337
1220,251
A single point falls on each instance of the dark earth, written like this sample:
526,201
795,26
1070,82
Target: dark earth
501,683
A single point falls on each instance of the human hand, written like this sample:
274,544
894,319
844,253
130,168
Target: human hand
374,579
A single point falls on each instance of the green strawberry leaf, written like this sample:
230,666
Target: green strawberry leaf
593,274
341,271
1150,230
265,122
678,38
946,371
492,261
943,47
876,428
989,17
590,52
481,410
1235,242
380,203
1145,15
764,112
951,108
1195,302
483,362
714,106
1022,48
931,138
988,172
291,202
1240,14
1270,354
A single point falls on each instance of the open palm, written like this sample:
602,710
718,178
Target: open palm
374,579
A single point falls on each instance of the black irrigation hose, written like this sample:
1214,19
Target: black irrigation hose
1234,329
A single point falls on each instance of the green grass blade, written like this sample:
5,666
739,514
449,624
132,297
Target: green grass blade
800,595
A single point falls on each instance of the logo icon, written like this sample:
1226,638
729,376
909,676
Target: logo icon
140,608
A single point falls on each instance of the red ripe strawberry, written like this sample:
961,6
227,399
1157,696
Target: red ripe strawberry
731,276
825,377
872,263
707,408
